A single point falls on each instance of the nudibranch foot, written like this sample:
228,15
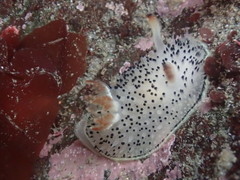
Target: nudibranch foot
148,102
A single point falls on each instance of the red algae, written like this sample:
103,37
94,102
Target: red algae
231,35
217,96
33,73
3,53
212,67
229,52
225,59
206,34
73,64
235,128
11,36
5,6
22,136
66,50
40,37
194,17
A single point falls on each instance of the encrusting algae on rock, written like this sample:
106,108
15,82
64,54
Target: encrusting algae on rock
149,101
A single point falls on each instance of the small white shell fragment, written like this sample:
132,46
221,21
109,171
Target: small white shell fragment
149,101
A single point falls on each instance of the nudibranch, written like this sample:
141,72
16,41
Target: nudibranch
132,118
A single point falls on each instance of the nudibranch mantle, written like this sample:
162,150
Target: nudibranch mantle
148,102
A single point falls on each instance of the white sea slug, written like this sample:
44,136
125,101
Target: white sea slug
131,119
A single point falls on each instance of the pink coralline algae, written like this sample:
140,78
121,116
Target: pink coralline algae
174,173
205,106
80,6
76,162
174,8
117,8
52,139
144,44
216,98
125,67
